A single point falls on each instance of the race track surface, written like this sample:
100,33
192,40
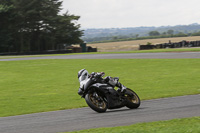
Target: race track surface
85,118
172,55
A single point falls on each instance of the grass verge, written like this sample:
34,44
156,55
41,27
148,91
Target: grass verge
184,125
44,85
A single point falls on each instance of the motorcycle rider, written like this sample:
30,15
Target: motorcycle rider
84,75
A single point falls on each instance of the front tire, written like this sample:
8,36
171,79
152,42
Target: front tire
133,100
96,102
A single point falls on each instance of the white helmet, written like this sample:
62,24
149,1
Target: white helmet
83,75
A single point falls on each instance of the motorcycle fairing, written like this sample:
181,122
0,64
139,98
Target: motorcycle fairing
85,83
111,95
103,88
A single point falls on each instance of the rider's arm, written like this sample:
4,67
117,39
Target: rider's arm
97,76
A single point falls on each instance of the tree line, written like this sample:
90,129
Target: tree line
156,33
170,33
151,35
36,25
135,33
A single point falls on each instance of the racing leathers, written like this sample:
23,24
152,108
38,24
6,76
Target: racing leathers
114,82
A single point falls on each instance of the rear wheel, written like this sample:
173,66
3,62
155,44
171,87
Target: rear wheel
133,101
96,102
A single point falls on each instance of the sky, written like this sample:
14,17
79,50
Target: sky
133,13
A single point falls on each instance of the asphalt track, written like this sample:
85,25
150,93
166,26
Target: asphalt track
171,55
85,118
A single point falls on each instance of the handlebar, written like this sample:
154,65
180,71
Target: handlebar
94,76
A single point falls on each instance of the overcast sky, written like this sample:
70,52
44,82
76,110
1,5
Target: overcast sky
133,13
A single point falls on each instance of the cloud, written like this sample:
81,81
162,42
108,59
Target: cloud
133,13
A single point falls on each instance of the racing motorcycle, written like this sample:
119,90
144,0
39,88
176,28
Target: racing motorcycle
101,96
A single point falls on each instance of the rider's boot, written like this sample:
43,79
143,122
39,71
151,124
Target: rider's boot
121,87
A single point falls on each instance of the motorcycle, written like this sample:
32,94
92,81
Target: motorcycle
102,96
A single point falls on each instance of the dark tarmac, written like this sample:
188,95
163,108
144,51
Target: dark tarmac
171,55
85,118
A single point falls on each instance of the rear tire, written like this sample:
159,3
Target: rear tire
133,101
96,103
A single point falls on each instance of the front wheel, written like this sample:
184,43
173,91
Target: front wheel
96,102
133,101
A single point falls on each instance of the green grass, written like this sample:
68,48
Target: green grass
45,85
184,125
135,51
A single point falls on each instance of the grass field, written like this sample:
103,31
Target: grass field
184,125
133,45
45,85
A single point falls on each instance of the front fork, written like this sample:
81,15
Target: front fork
99,98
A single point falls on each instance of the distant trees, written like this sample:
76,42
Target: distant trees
196,34
36,25
154,33
170,32
137,35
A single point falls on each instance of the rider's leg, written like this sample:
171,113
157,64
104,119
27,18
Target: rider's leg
115,82
121,87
